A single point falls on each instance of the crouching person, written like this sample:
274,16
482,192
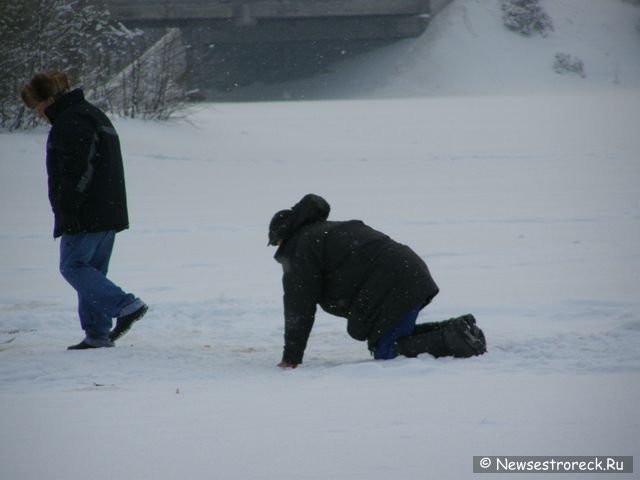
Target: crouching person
356,272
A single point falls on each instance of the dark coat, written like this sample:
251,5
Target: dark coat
84,166
351,271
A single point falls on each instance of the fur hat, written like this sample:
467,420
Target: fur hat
52,83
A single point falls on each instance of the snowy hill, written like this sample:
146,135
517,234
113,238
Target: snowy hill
518,186
467,50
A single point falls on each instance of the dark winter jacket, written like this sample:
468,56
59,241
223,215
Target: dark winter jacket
351,271
84,165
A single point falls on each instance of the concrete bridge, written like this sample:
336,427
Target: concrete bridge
236,42
251,21
277,20
243,10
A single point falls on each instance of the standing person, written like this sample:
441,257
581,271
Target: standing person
88,197
356,272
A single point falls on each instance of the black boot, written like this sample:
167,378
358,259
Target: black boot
431,342
465,338
92,342
431,326
456,337
123,324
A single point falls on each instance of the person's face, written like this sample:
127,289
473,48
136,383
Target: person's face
42,106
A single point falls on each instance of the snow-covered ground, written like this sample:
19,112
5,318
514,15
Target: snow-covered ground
522,197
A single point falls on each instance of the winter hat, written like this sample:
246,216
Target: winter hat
52,83
278,226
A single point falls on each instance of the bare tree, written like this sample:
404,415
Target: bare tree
151,85
79,37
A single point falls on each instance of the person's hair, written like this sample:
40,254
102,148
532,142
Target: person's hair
51,83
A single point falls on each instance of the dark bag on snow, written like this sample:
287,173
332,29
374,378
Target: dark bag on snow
456,337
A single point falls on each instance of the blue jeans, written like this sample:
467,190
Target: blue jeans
384,348
84,262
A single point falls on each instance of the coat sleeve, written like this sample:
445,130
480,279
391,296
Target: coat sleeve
72,149
302,285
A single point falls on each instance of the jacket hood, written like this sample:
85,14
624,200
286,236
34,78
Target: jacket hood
64,102
285,223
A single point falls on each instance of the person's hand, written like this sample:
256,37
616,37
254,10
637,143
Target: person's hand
287,365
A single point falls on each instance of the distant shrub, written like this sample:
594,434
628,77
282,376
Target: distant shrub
565,63
526,17
635,3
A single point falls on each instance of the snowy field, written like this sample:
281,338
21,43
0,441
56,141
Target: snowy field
523,201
